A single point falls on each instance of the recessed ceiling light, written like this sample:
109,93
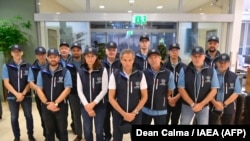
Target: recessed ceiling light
130,11
102,6
58,13
131,1
159,7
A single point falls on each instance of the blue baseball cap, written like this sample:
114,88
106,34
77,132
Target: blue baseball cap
40,50
16,47
197,50
53,51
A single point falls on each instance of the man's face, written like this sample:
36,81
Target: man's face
16,54
127,61
41,57
64,50
53,59
144,44
222,66
198,59
212,46
76,52
154,60
174,53
111,52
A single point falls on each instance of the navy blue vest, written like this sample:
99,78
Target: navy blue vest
53,85
229,85
140,63
91,84
176,72
128,92
18,78
73,71
190,82
110,69
157,89
35,69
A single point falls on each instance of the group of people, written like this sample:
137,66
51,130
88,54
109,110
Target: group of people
134,88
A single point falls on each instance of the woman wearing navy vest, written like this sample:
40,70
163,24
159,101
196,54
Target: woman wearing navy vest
53,87
127,95
15,78
224,103
92,86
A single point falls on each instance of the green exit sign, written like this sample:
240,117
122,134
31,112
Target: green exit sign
139,19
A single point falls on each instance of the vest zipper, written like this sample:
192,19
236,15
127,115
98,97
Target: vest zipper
51,88
90,88
153,93
127,94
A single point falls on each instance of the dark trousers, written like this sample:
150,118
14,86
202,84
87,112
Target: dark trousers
56,121
14,111
1,109
158,120
106,126
75,107
174,113
219,118
39,109
98,123
117,134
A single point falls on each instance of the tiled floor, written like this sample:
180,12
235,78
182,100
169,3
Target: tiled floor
6,131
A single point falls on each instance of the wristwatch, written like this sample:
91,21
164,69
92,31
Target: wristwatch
136,111
56,104
224,105
192,105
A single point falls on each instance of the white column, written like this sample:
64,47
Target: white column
235,29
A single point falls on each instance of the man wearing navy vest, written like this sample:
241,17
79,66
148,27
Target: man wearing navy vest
174,64
38,65
212,51
224,104
72,65
53,86
127,95
141,62
198,85
112,63
160,81
15,77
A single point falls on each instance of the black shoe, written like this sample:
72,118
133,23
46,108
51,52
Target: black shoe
17,139
107,138
31,138
78,138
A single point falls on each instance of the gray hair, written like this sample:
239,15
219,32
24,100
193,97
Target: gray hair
127,51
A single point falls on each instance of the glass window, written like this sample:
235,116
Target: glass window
193,33
127,35
55,32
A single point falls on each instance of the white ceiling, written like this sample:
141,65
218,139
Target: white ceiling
140,6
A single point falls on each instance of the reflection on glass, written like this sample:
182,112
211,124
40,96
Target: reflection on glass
71,32
206,6
194,33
